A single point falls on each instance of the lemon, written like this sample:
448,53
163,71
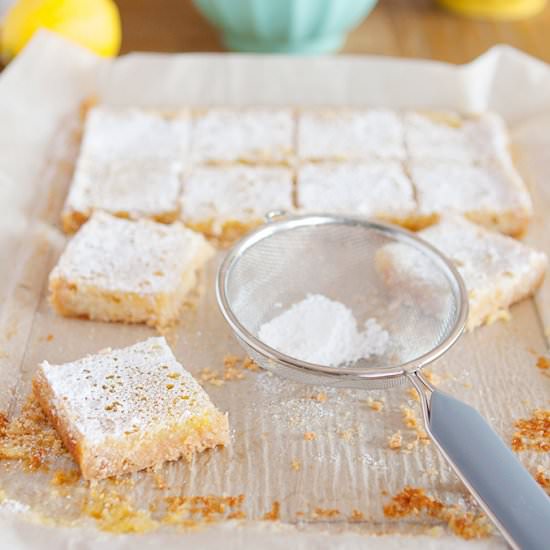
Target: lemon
94,24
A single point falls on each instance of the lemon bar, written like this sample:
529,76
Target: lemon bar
448,136
498,271
347,134
130,165
127,271
491,194
123,410
252,135
224,202
378,189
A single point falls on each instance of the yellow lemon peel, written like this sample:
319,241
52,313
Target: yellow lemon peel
94,24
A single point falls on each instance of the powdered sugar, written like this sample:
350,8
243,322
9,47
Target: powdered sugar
130,161
243,135
323,331
453,138
113,393
445,186
142,257
243,193
350,134
373,188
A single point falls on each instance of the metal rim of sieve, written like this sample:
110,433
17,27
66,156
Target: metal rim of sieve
276,225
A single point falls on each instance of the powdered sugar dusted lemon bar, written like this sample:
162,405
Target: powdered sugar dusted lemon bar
448,136
346,134
124,410
225,202
251,135
129,271
497,270
130,165
378,189
489,193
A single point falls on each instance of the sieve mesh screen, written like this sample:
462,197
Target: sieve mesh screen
376,271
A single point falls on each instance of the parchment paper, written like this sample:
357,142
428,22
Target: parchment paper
349,465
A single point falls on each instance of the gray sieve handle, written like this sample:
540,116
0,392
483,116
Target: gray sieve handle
507,492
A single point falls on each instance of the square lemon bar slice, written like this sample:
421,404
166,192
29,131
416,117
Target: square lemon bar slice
347,134
251,135
498,271
373,189
491,194
225,202
130,165
448,136
127,271
123,410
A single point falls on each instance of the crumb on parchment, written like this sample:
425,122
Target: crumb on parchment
234,368
325,513
414,501
533,433
395,440
310,436
356,515
543,478
375,404
275,513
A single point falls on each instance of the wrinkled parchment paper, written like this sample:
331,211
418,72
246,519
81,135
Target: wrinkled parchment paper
349,465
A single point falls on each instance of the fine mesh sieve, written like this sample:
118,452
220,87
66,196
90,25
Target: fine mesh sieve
418,297
375,270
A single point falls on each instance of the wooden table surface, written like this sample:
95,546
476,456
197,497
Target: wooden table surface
408,28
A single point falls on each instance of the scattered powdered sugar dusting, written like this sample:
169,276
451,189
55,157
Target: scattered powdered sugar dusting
244,193
252,135
323,331
453,138
113,393
143,256
350,134
483,258
130,161
455,187
376,188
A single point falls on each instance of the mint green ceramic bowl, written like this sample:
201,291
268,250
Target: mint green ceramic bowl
284,26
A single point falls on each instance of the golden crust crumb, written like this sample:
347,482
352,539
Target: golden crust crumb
115,514
234,368
251,365
182,510
275,513
543,363
326,513
296,465
414,501
30,437
62,477
375,404
321,397
543,479
356,515
411,421
395,441
413,394
310,436
533,433
432,378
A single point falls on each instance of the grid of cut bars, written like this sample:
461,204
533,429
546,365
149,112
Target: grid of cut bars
222,169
